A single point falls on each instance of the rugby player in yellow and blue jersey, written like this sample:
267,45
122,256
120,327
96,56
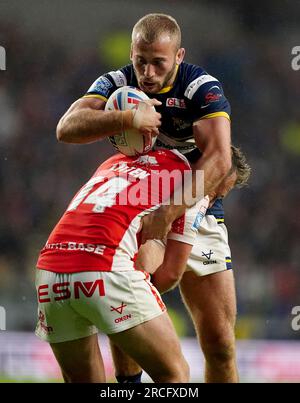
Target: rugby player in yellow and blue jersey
193,117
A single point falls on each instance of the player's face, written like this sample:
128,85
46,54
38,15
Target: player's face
155,64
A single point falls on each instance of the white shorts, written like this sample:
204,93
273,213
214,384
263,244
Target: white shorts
211,252
76,305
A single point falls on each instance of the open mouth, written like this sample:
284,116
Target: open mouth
148,85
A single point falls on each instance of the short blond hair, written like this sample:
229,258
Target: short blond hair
240,166
152,26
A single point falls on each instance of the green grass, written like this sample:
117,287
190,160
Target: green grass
4,379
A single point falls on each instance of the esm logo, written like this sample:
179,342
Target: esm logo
61,291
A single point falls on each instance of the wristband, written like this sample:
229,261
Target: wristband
127,119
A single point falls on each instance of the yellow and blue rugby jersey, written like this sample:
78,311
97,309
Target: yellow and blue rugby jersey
194,95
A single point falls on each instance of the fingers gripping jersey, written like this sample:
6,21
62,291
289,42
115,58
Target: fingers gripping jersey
99,230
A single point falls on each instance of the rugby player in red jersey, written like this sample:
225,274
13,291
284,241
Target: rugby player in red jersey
87,278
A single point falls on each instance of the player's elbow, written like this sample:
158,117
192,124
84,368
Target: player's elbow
222,163
63,131
169,282
60,131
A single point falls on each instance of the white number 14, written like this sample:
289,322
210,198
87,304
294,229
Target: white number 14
104,196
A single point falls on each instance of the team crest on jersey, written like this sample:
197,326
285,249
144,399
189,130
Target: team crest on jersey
180,124
147,159
214,94
176,102
102,86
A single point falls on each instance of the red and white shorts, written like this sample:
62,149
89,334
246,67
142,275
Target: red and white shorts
76,305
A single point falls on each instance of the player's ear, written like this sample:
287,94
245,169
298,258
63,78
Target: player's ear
180,55
131,52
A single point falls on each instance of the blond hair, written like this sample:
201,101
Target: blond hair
152,26
240,166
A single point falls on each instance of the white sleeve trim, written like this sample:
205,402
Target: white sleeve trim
197,83
118,77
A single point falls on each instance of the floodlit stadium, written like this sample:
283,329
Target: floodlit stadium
50,54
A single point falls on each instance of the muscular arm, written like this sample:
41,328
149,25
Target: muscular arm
86,121
166,264
169,273
212,137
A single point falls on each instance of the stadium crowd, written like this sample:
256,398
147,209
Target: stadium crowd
38,175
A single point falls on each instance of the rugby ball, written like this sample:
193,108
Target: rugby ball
129,142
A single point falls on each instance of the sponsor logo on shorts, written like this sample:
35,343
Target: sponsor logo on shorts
123,318
46,329
119,310
64,290
208,257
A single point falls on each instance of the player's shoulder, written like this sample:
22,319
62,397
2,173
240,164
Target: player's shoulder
108,82
166,158
191,71
156,160
122,76
194,77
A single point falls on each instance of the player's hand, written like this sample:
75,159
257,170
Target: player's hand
145,119
158,224
155,226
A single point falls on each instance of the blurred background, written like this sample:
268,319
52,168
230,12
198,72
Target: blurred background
54,51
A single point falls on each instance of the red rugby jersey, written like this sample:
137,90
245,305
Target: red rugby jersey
99,229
